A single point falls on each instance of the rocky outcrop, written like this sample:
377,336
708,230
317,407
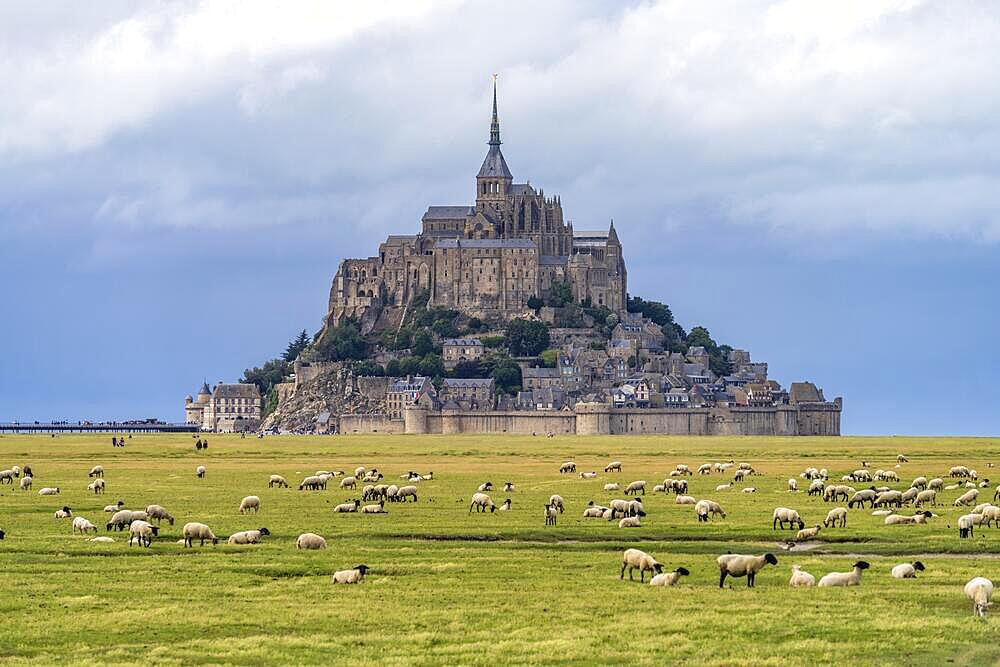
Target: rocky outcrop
334,391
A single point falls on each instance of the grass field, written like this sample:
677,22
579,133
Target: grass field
447,587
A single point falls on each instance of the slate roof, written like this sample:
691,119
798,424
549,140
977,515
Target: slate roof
494,166
236,391
552,260
485,243
540,373
521,188
464,342
448,212
467,383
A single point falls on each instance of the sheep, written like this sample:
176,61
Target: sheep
807,533
612,486
278,481
852,578
659,488
966,522
7,477
903,520
861,475
801,578
96,471
925,496
568,466
352,576
685,500
481,502
737,565
372,475
352,506
485,486
614,466
588,475
630,522
97,486
739,475
323,480
374,509
359,472
723,487
901,459
967,498
669,578
980,591
634,559
749,489
888,499
102,538
26,482
677,485
837,491
310,541
142,532
783,515
958,471
861,497
312,483
17,471
505,505
64,513
114,508
626,507
996,494
793,485
250,503
992,513
200,472
703,508
937,483
391,493
48,491
159,513
705,469
594,511
952,487
198,531
907,570
550,515
909,495
248,536
815,487
555,500
349,483
919,483
835,516
635,487
84,526
405,492
508,487
368,493
882,512
683,469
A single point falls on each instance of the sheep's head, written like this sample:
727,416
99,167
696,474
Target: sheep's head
769,558
917,565
862,565
641,513
362,568
2,534
683,571
658,567
66,508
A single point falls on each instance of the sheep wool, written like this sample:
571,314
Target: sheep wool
980,591
250,504
741,565
198,531
852,578
907,570
310,541
248,536
635,559
801,578
669,578
353,576
630,522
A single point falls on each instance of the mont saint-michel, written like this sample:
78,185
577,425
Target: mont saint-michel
502,316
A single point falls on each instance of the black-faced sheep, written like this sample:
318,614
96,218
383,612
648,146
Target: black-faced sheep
737,565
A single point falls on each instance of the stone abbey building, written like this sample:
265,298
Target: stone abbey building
489,258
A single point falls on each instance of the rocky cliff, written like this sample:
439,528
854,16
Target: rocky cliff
336,390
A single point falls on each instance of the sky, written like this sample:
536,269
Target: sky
816,182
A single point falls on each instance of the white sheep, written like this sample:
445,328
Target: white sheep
485,486
807,533
48,491
114,508
588,475
198,531
405,492
852,578
967,498
594,511
349,483
551,515
64,513
353,576
248,536
723,487
919,483
614,466
669,578
508,487
705,469
482,502
200,472
704,507
7,476
903,520
740,565
835,516
359,472
96,471
97,486
980,591
312,483
568,466
907,570
310,541
505,505
793,484
612,486
966,522
635,487
250,504
26,482
924,497
685,500
630,522
801,578
84,526
348,507
783,515
815,487
937,483
142,532
101,539
277,480
634,559
555,500
374,509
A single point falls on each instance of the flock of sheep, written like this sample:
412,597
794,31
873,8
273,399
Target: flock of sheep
144,525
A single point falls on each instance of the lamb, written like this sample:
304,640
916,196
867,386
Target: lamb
508,487
114,508
26,482
801,578
793,485
568,466
834,516
736,565
750,489
967,498
374,509
248,536
980,591
64,513
505,505
481,502
614,466
485,486
352,576
907,570
659,488
551,516
703,508
634,559
669,578
310,541
96,471
807,533
142,532
198,531
902,520
852,578
348,507
84,526
250,503
612,486
783,515
405,492
101,539
925,496
97,486
723,487
588,475
200,472
349,483
966,522
278,481
685,500
48,491
630,522
594,511
158,513
635,487
556,501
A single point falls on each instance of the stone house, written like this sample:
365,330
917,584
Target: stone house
455,350
228,408
405,391
540,378
469,393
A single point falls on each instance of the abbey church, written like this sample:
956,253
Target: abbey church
487,259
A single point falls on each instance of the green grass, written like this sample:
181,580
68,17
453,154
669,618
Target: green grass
447,587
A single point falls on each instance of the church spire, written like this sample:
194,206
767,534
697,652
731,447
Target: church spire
495,124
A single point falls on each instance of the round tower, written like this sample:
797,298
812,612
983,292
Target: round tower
593,418
415,419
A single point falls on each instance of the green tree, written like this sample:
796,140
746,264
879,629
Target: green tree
342,343
423,344
369,368
560,293
296,346
492,342
409,366
444,328
432,366
467,369
266,376
535,303
392,368
504,371
527,339
549,357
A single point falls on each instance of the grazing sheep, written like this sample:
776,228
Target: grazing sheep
372,475
634,559
48,491
352,576
723,487
739,475
277,480
143,532
678,485
119,520
485,486
588,475
925,496
391,493
909,495
97,486
26,482
114,508
569,466
852,578
248,536
311,483
685,500
374,509
659,488
630,522
368,493
750,489
992,513
958,471
861,475
348,507
705,469
96,471
980,591
901,459
158,513
737,565
815,487
7,477
996,494
669,578
198,531
793,484
250,503
612,486
359,472
555,500
200,472
907,570
703,508
614,466
807,533
635,487
919,483
835,516
861,497
505,505
508,487
783,515
966,522
683,469
481,502
888,499
937,484
349,483
405,492
64,513
84,526
967,498
801,578
310,541
550,515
